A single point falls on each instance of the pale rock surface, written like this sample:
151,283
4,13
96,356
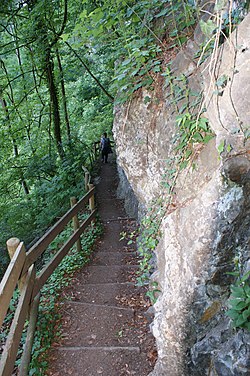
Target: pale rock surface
210,223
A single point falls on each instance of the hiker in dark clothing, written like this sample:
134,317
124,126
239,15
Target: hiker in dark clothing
105,147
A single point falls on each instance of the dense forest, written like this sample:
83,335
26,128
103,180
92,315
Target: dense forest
62,64
53,106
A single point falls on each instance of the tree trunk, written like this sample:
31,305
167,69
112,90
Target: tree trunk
64,99
55,105
15,147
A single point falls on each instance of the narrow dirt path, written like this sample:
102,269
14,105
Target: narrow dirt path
105,331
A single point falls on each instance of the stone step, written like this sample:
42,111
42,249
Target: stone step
96,325
115,248
103,293
108,274
113,241
114,258
111,208
113,361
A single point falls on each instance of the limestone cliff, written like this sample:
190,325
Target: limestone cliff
209,223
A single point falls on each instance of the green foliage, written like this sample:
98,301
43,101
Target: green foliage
153,292
224,147
36,183
47,201
239,301
147,238
208,27
193,127
129,31
147,241
191,131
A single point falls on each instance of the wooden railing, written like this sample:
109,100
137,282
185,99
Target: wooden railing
22,271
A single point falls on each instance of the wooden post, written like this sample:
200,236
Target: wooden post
25,361
76,225
12,245
86,179
91,201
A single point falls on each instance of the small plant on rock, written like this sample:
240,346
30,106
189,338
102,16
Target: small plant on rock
239,301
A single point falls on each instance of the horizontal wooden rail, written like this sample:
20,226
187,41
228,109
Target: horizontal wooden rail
12,343
55,261
10,278
39,247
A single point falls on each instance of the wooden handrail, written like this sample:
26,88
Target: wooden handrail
12,343
10,278
55,261
39,247
22,266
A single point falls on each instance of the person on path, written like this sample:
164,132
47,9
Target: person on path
105,147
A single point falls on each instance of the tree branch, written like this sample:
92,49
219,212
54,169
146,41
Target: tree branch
89,72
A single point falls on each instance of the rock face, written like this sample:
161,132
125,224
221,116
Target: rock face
209,224
125,192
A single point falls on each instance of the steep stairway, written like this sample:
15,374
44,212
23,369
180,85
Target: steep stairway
104,330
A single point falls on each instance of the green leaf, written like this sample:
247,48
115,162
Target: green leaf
162,13
183,165
241,305
247,133
197,137
247,325
232,314
147,99
221,147
188,154
183,108
126,62
245,276
96,15
83,15
207,138
222,81
182,39
237,274
203,123
246,313
220,4
240,321
234,302
156,69
65,37
208,27
237,292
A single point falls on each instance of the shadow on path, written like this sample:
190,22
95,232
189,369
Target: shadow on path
104,329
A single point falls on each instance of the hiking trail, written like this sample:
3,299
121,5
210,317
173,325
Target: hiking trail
105,330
